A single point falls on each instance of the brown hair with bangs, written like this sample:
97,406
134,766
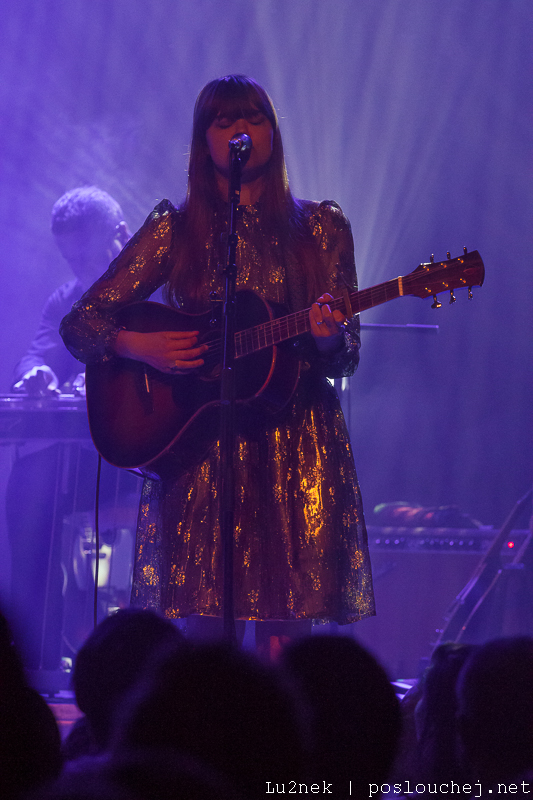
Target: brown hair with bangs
281,215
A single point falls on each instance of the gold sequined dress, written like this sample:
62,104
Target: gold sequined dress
300,539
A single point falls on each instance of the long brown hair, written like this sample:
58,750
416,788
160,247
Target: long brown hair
282,216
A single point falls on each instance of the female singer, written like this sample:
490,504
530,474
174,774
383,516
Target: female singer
300,540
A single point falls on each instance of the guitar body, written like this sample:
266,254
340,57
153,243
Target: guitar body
159,425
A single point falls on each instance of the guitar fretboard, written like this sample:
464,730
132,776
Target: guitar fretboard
280,330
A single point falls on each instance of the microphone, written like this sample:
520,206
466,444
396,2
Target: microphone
240,143
240,147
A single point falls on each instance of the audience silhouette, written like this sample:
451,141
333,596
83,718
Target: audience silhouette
30,745
355,716
495,694
222,707
107,666
167,718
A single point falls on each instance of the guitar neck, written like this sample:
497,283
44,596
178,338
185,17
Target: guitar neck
284,328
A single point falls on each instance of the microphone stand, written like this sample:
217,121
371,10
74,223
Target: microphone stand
237,159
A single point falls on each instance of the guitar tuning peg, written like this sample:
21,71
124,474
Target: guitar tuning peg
453,298
470,295
435,303
432,259
448,256
465,251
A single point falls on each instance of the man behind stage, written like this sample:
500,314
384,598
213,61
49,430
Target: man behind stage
89,229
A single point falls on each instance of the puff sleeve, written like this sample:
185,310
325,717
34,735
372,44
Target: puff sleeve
332,232
90,328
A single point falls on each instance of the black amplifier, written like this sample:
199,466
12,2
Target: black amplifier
418,573
442,540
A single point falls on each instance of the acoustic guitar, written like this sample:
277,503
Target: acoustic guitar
157,425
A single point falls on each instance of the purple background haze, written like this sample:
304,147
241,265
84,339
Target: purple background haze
414,115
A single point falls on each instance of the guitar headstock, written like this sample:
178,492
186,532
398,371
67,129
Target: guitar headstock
455,273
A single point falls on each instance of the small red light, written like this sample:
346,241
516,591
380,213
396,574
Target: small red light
510,545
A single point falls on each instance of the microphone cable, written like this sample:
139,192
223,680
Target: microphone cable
96,541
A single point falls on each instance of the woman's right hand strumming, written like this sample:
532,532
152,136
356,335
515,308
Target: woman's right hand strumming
175,352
